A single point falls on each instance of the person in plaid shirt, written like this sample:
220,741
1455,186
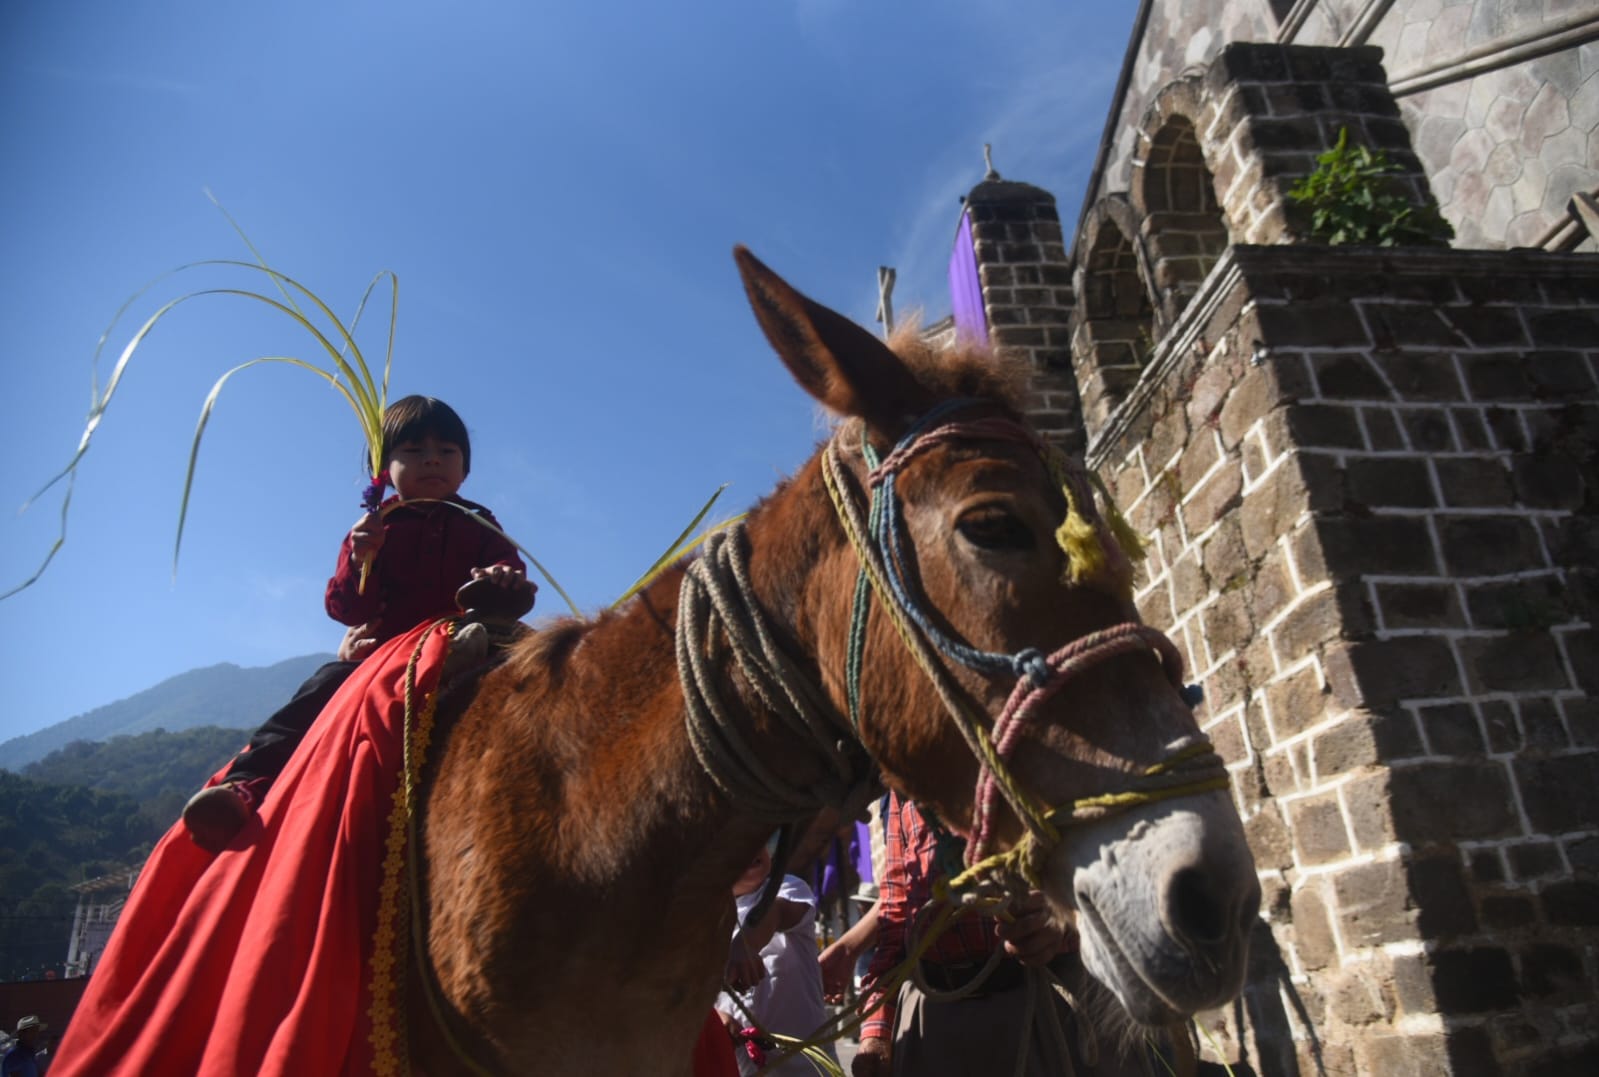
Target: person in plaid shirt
970,1036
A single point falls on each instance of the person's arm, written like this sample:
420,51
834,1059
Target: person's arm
344,601
744,966
497,549
893,914
499,561
838,960
750,939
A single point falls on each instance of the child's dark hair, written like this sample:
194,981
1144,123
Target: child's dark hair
415,417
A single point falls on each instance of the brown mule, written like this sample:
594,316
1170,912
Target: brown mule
578,854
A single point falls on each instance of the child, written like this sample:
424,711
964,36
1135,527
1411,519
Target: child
422,551
780,953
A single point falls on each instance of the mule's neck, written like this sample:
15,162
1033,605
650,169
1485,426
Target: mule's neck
760,714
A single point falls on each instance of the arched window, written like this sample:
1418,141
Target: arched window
1184,230
1115,331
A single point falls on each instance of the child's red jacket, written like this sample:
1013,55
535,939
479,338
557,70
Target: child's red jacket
429,551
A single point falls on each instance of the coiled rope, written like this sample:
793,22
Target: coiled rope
716,593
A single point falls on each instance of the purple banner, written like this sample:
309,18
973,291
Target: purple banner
965,288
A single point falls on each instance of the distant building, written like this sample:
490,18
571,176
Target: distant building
100,902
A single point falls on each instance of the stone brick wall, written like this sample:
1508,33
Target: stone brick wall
1508,130
1219,151
1268,112
1027,295
1501,96
1370,478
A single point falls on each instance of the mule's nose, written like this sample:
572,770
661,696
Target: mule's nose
1208,916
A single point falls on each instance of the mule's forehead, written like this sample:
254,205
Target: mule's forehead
963,468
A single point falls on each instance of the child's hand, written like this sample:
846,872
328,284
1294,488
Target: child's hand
366,537
501,576
359,641
872,1058
744,967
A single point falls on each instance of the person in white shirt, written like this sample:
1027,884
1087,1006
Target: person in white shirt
774,968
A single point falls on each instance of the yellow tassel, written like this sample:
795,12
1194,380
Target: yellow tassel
1096,548
1085,554
1131,542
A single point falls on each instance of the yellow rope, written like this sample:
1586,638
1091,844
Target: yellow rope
392,944
390,1049
1035,816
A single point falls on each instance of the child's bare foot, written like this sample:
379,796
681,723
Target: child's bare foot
215,815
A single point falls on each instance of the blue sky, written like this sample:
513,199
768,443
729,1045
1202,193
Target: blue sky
557,187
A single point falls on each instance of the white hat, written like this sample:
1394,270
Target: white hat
31,1021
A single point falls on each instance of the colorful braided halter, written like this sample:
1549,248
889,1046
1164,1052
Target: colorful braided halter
1191,765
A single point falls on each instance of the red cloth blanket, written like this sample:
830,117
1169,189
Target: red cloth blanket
260,960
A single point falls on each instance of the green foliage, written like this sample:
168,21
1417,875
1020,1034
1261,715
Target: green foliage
143,767
1353,199
83,812
51,837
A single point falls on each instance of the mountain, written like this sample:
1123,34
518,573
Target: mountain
224,695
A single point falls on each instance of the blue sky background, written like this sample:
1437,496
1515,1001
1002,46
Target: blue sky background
557,187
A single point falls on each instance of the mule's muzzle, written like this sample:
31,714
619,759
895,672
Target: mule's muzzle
1205,915
1166,896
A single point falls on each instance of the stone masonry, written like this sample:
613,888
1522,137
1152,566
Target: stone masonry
1371,483
1501,96
1369,478
1027,295
1220,151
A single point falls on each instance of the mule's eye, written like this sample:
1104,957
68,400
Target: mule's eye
993,528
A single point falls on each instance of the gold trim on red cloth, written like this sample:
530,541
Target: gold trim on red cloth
390,941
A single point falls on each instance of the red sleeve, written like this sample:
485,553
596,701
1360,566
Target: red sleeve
893,912
342,601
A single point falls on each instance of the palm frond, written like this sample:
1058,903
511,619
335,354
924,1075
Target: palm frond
680,547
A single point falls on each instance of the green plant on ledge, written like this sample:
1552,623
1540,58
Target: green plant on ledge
1353,199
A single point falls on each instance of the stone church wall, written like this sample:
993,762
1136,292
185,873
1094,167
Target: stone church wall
1501,96
1371,482
1369,479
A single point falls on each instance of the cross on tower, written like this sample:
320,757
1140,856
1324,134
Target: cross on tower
885,298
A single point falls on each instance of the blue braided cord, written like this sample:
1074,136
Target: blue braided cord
1028,663
862,605
891,545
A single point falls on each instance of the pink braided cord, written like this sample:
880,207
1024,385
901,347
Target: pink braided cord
990,429
1025,699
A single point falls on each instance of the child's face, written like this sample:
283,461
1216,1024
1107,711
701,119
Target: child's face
427,468
754,875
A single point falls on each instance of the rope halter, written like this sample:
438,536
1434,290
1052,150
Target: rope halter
1093,553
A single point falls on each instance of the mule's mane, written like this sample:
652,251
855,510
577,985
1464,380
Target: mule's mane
966,368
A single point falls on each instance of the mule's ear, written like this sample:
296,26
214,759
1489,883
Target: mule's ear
836,361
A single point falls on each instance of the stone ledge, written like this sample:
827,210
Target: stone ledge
1246,271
